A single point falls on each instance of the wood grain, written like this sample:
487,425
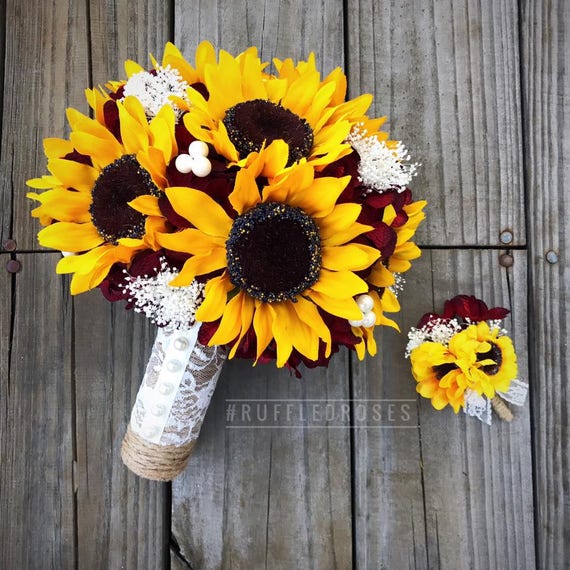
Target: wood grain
121,30
432,497
121,519
546,89
2,57
267,497
447,75
475,102
275,498
36,423
45,71
278,29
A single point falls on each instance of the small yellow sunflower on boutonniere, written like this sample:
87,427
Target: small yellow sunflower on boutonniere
465,359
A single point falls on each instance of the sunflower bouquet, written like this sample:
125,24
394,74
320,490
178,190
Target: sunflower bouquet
248,214
464,358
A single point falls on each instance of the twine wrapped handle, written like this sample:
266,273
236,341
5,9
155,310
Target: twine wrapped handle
501,409
175,393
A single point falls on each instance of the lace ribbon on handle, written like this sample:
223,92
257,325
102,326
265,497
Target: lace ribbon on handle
480,406
178,384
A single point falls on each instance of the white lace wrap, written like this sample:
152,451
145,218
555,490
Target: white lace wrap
177,387
480,406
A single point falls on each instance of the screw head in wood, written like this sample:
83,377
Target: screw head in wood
506,260
506,237
13,266
9,245
551,256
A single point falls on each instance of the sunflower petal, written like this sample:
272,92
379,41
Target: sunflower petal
201,210
200,265
146,204
352,257
235,322
309,314
191,241
133,135
320,198
57,148
262,325
68,236
63,205
216,294
72,174
282,335
381,276
345,308
102,151
339,284
245,194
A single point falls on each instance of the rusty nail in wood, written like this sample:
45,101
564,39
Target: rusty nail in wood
13,266
506,237
506,260
9,245
551,256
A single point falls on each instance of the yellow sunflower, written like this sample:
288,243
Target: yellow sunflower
246,108
338,109
383,275
97,186
437,375
284,256
476,359
166,83
500,366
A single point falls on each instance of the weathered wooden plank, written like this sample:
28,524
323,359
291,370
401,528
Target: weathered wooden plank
2,54
478,479
36,427
546,89
433,497
274,498
267,497
45,71
126,30
278,29
447,75
122,520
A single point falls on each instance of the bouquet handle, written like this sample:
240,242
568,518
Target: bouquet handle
178,384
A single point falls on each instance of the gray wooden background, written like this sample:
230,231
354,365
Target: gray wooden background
480,92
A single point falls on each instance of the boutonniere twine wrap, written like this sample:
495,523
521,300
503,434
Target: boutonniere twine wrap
247,214
464,358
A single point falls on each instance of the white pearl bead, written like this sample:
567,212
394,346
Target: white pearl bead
180,343
365,303
184,163
158,410
68,253
150,431
198,148
369,319
201,166
173,365
355,323
165,389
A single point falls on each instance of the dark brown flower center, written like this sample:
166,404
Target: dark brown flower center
251,123
440,370
494,354
274,252
118,184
